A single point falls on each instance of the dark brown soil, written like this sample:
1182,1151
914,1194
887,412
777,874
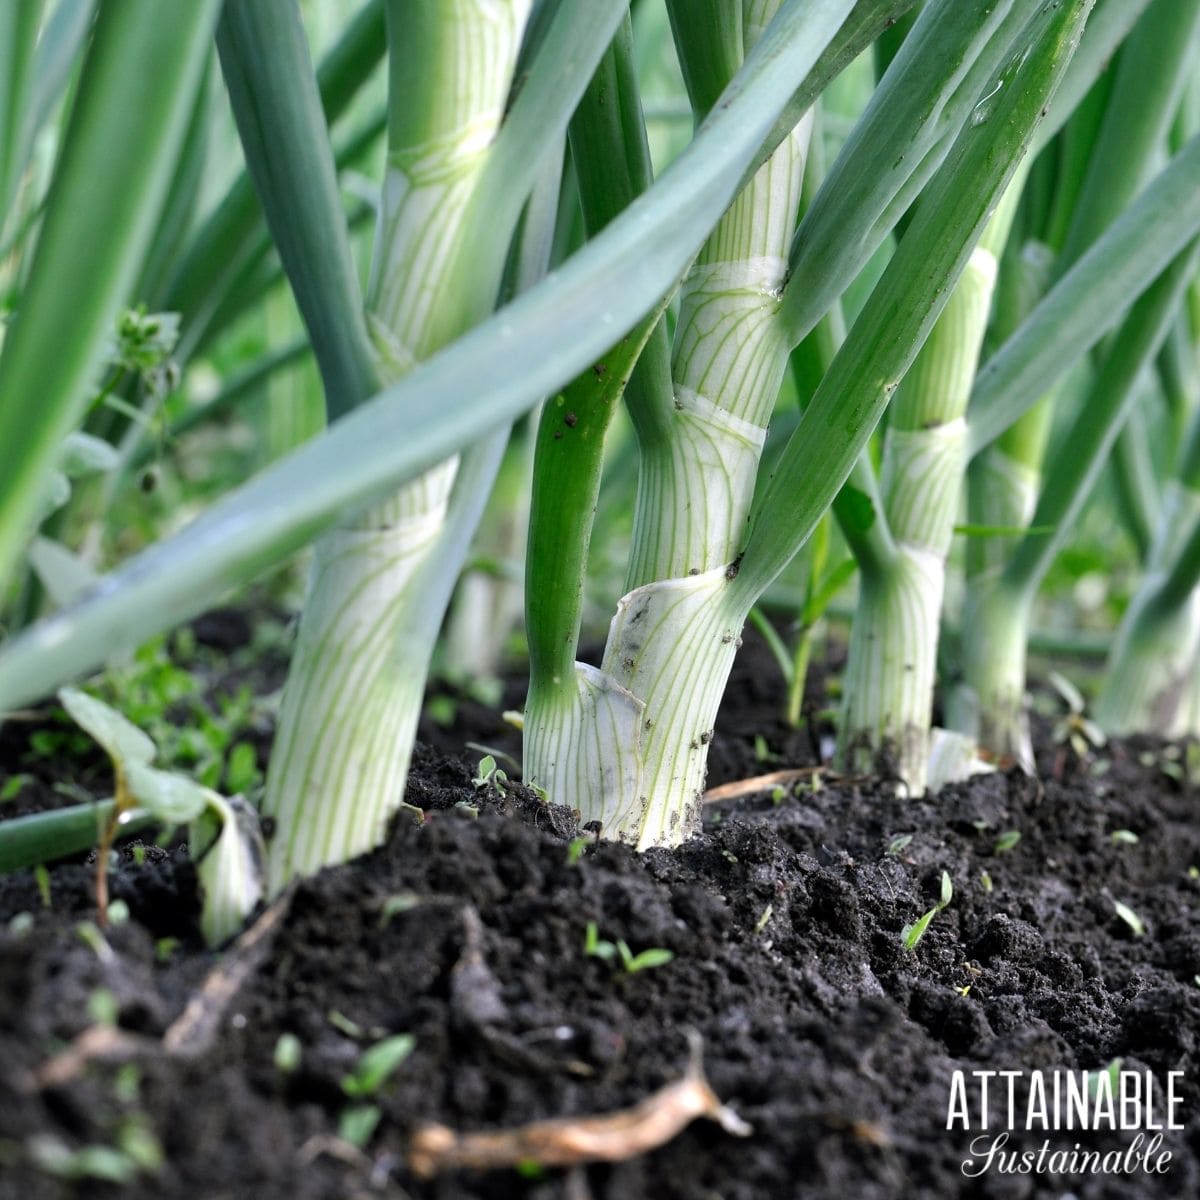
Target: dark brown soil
819,1028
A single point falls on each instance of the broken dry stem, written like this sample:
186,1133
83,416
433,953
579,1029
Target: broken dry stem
568,1141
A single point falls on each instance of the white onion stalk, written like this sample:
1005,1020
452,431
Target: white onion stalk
628,743
1150,683
886,714
353,695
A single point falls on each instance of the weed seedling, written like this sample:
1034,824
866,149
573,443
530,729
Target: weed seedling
288,1051
595,947
489,777
910,935
357,1123
1075,729
377,1065
42,878
1130,918
1007,841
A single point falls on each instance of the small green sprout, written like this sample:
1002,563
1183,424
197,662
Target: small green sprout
899,843
377,1065
139,855
91,937
20,924
595,947
985,881
41,877
118,912
393,906
1075,729
127,1083
1193,872
242,775
576,848
1007,840
1124,837
102,1007
343,1024
762,751
1130,918
357,1123
136,1140
12,787
910,935
442,710
164,948
655,956
288,1051
490,777
765,916
1113,1071
106,1163
224,837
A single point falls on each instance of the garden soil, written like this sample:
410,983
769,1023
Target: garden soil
834,1042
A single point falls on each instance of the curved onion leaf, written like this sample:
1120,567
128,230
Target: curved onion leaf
492,374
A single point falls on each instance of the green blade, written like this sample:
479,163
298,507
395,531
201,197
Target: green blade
18,32
1089,299
1086,445
264,58
231,235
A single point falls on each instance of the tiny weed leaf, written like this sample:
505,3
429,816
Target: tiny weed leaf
288,1051
593,946
393,906
173,799
910,935
947,893
1124,837
41,877
357,1123
1007,840
1072,696
1113,1071
899,843
377,1065
1130,918
123,740
105,1163
656,956
12,787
